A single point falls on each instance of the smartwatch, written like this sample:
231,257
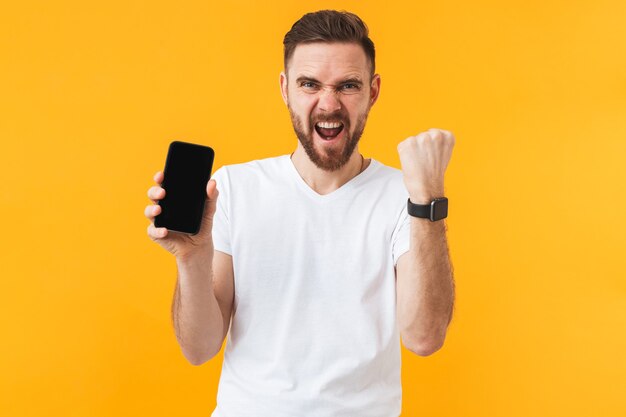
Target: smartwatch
436,210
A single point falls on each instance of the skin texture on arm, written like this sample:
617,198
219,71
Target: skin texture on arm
202,305
425,288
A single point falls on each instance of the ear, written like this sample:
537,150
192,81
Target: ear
374,89
283,87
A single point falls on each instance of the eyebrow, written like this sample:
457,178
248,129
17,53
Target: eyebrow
353,80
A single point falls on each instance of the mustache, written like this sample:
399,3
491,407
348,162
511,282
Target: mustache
330,118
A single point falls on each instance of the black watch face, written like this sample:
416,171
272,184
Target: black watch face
440,209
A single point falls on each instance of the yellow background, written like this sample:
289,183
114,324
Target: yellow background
535,92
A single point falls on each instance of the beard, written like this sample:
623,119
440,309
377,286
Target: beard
329,158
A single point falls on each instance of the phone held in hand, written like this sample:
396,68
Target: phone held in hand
187,171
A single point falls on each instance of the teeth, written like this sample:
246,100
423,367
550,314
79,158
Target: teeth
329,125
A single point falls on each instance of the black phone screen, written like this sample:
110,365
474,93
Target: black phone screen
187,171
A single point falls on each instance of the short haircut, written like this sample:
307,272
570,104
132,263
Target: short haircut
329,26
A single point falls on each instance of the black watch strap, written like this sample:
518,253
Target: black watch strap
436,210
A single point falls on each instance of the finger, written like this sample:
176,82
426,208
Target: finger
423,137
211,190
152,211
449,137
446,133
156,232
442,136
435,134
158,177
212,194
156,193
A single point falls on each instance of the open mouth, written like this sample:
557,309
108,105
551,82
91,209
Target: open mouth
328,130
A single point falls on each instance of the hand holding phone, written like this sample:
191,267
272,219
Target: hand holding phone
185,200
187,171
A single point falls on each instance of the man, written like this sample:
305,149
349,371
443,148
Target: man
314,254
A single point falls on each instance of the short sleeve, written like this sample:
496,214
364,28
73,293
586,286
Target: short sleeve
401,236
221,222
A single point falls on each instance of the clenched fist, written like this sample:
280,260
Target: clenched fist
424,159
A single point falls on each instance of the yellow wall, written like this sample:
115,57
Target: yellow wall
92,93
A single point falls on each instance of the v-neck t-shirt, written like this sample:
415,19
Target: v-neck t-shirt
314,330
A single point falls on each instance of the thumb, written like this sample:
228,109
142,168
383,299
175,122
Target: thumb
211,201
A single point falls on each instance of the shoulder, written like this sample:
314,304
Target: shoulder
386,171
385,175
275,162
251,171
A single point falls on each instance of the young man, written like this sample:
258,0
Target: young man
323,259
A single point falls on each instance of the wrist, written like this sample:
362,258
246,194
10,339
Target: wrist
421,193
434,210
424,197
195,257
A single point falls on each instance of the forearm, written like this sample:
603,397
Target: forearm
196,315
425,287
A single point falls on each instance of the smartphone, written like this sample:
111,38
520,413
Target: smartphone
187,171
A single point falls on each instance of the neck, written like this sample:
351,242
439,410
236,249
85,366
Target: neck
325,182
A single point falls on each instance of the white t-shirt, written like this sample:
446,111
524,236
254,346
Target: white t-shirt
314,330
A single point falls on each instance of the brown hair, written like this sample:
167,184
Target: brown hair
329,26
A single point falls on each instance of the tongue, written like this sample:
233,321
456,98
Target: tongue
332,132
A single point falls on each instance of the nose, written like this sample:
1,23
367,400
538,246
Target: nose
328,101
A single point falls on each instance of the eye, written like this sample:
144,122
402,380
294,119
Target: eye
349,88
307,84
